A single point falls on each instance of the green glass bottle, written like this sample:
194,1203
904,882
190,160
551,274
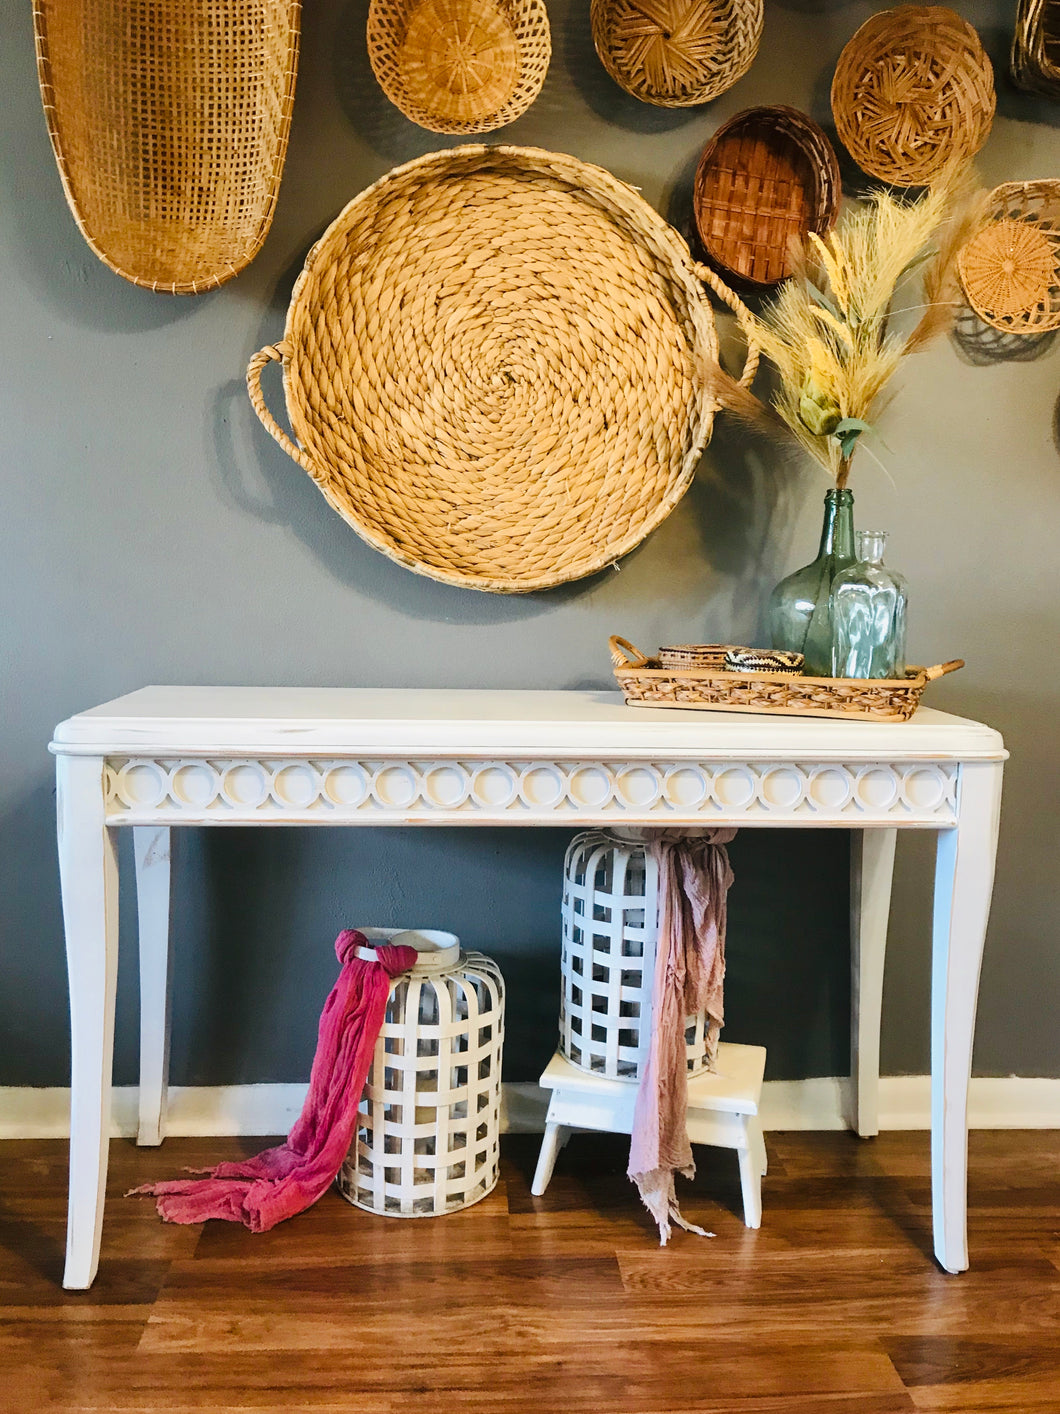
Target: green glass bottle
800,616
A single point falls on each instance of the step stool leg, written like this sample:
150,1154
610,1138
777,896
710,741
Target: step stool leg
555,1136
752,1165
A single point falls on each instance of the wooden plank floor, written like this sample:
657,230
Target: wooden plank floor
558,1304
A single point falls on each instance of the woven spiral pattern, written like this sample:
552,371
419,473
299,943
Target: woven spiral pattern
913,91
1035,62
460,66
169,122
1010,269
676,53
767,177
493,365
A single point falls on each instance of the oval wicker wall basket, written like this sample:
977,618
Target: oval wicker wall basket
494,365
169,123
676,53
460,66
767,177
1010,269
1035,62
913,91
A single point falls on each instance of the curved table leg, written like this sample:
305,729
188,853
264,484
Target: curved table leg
88,869
964,879
871,870
151,848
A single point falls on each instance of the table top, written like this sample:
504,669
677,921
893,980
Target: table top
302,721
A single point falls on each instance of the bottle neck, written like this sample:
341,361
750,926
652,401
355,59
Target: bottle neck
837,534
871,545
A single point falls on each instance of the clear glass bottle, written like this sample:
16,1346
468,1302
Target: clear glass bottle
800,606
868,615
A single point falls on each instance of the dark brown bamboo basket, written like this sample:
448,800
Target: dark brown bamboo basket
766,178
169,121
645,683
913,92
676,53
1035,62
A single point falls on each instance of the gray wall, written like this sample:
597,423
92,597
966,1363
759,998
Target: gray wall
153,533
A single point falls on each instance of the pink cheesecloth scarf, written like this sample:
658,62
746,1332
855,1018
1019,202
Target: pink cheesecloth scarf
694,879
277,1183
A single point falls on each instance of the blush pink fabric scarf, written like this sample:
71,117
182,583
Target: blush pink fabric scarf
277,1183
694,879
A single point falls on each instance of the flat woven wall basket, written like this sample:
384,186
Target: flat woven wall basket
645,683
169,121
460,66
494,365
767,177
1035,62
676,53
913,91
1010,269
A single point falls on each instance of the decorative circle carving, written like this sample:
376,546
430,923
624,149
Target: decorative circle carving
245,784
638,786
195,783
924,788
494,787
447,786
141,783
346,785
542,786
829,787
782,786
395,786
735,787
876,787
686,786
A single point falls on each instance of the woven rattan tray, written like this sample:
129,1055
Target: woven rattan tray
495,364
767,177
645,684
169,122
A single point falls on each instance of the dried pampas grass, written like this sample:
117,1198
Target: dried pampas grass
835,334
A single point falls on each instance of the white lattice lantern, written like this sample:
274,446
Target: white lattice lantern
428,1134
610,928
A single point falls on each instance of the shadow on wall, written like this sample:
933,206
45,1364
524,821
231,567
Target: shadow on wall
981,345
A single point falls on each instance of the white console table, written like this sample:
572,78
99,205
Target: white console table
167,756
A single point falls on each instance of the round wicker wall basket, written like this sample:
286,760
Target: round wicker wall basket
913,92
676,53
766,178
1010,269
494,365
169,123
460,66
1035,59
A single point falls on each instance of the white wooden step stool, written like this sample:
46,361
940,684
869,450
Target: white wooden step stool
722,1110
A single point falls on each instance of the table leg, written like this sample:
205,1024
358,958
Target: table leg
88,870
871,870
964,878
151,847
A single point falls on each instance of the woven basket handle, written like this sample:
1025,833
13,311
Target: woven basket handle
274,353
941,669
623,654
744,318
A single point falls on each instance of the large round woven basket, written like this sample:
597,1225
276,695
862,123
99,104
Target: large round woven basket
676,53
169,122
459,66
1010,269
496,367
766,178
913,92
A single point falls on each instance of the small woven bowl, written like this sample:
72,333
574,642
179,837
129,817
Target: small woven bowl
766,178
913,92
676,53
694,655
460,66
1010,269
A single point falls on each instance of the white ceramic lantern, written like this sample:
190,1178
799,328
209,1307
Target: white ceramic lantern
610,917
428,1132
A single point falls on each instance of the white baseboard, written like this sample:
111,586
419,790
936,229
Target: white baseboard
1010,1102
